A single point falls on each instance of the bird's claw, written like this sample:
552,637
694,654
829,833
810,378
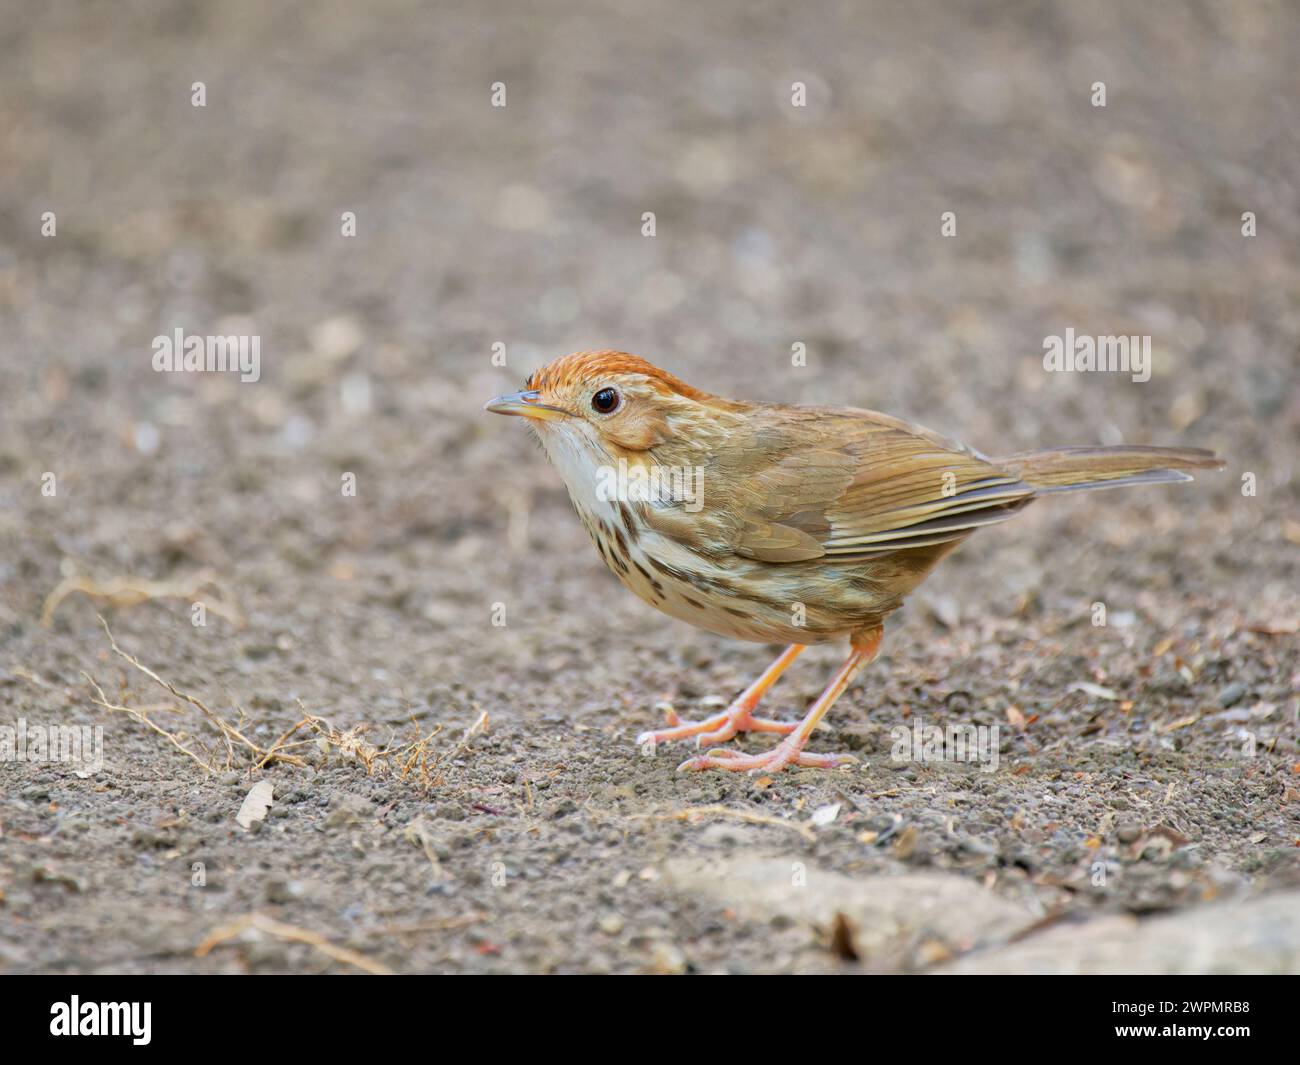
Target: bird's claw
772,761
716,729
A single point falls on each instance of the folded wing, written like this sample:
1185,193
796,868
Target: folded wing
884,486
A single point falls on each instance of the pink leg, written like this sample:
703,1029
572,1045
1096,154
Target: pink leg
738,717
790,750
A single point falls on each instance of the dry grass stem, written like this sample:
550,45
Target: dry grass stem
231,736
291,934
412,759
131,591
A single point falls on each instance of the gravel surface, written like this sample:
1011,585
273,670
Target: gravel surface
1143,811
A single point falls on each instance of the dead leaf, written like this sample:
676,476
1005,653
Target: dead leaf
256,803
1095,690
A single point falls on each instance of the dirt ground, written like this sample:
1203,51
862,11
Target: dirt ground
1144,814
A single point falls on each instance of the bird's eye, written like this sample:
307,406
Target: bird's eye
605,401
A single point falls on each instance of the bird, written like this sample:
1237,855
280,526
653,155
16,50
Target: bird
774,523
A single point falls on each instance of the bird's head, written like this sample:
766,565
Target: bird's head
594,406
593,409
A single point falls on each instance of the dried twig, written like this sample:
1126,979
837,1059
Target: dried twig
280,743
230,734
407,759
131,591
480,726
292,934
171,738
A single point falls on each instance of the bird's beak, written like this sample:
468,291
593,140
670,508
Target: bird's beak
526,404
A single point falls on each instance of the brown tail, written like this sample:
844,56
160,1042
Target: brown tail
1068,469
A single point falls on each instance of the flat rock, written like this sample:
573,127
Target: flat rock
883,910
1259,935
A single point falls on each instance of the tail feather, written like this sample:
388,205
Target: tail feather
1068,469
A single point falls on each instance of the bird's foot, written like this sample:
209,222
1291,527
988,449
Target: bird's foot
738,717
786,753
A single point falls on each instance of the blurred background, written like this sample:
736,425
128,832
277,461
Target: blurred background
522,226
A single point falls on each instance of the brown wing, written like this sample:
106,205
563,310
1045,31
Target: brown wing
849,484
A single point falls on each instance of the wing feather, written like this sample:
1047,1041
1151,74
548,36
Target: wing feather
883,486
